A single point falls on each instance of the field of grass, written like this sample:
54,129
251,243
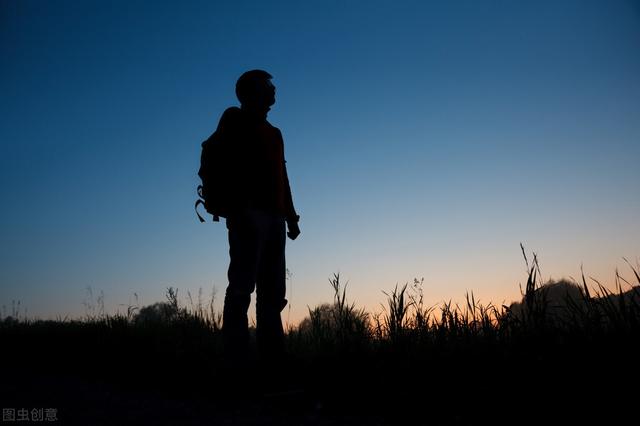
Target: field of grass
567,353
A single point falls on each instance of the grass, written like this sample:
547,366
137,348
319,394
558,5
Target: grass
446,364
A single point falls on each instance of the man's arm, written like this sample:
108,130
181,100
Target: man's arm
291,216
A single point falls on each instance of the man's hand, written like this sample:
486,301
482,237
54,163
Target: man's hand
294,229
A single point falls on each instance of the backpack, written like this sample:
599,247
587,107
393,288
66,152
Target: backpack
205,191
214,192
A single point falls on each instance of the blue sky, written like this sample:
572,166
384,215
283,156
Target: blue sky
423,139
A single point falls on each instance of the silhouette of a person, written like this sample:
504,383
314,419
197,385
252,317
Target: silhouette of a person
260,205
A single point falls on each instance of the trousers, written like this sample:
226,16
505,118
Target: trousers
257,262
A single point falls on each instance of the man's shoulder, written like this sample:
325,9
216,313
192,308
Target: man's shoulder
274,129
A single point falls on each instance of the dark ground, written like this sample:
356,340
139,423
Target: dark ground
98,375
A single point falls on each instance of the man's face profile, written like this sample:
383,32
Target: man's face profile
267,93
263,93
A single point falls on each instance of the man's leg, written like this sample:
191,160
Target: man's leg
271,291
244,253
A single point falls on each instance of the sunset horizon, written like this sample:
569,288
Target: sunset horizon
427,140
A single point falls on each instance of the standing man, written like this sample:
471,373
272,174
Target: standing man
260,204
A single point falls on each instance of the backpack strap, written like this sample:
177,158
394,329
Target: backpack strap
198,202
216,218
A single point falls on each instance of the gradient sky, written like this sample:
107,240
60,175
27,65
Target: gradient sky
423,139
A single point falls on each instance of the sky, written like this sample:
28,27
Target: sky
423,140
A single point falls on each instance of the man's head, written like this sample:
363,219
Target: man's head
255,90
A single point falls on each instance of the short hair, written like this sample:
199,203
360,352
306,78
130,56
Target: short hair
245,86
